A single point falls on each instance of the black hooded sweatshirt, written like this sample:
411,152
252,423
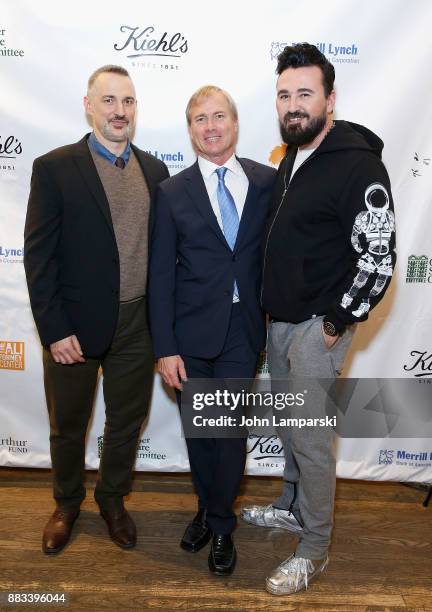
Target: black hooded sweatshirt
330,246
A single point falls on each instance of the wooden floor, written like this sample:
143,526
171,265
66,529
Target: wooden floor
381,556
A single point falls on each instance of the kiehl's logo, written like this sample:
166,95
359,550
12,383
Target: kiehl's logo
10,147
421,364
11,355
147,42
265,447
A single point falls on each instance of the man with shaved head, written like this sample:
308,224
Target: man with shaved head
86,251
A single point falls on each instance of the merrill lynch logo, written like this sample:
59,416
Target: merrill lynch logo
147,43
326,49
403,457
386,457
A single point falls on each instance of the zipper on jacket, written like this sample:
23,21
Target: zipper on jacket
286,187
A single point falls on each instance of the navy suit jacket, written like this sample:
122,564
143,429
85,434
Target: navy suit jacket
192,268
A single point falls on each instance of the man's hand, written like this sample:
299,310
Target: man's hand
67,351
329,340
172,371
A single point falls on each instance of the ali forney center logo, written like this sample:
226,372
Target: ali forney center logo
11,355
152,48
419,269
335,52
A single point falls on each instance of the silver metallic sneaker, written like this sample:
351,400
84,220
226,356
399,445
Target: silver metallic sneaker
294,574
269,516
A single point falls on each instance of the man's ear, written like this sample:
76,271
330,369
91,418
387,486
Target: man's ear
331,101
87,105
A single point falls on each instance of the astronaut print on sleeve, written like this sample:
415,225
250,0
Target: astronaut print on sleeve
371,237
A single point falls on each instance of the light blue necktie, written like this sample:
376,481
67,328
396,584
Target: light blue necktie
229,214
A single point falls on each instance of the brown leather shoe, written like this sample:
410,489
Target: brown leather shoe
58,529
121,527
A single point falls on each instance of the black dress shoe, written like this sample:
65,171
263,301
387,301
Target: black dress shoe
121,527
197,533
58,529
222,557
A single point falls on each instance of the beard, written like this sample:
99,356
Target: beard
115,136
296,135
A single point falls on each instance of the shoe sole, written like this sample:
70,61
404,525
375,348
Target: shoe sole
194,549
290,529
281,591
220,572
124,546
53,551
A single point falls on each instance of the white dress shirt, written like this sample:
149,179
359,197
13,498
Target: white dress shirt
236,181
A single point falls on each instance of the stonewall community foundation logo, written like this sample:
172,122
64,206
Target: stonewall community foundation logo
152,48
419,269
263,365
11,355
406,458
144,450
335,52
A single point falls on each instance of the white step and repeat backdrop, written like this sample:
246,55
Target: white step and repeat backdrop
382,55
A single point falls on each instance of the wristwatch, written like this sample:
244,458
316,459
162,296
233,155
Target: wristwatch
329,328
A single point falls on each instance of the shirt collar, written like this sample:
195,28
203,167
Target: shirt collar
207,167
99,148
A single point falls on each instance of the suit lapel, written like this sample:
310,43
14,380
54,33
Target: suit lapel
251,196
197,191
87,168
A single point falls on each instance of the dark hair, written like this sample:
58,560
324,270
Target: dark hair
107,68
304,54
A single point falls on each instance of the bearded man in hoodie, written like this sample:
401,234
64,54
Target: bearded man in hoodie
329,258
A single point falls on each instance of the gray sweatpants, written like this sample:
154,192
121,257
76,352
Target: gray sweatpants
310,465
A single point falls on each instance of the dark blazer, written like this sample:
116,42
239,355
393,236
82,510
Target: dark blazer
192,268
70,251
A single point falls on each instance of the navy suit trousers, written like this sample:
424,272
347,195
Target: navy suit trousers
217,464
